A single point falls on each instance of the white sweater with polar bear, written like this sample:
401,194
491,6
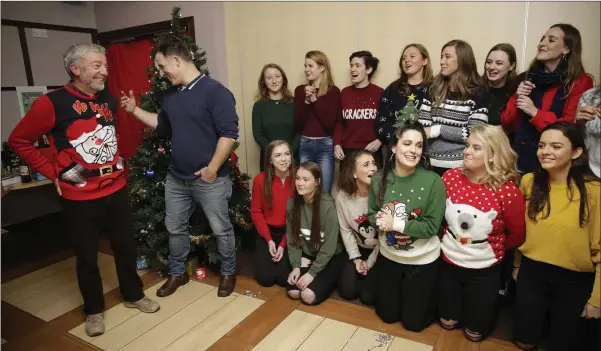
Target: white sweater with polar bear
480,224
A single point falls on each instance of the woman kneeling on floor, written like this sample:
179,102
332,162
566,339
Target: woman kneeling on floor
271,191
484,217
359,237
406,203
314,245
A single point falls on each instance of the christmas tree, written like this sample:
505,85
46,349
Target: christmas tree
408,114
148,171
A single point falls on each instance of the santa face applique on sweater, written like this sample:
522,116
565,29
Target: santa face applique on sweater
95,143
398,210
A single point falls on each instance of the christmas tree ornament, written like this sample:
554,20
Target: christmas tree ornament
201,273
150,173
408,114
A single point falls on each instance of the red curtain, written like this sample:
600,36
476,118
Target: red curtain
127,71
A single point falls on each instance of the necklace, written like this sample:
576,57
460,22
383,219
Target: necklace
79,90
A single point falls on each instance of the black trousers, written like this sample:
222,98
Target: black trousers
561,294
352,284
324,284
406,293
268,272
83,222
469,295
378,155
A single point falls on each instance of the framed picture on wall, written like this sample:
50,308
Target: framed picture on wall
27,95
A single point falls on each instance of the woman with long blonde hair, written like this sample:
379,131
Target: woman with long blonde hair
457,101
484,217
549,91
273,111
316,109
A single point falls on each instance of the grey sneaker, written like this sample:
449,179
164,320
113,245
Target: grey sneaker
95,324
145,305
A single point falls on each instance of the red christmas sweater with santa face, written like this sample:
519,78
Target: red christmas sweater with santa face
480,224
81,130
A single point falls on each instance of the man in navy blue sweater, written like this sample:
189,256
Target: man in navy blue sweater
200,115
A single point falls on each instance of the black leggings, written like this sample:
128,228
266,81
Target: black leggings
352,284
547,290
405,293
469,295
326,281
268,272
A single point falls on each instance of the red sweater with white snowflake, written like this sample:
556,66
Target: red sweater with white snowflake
82,135
480,224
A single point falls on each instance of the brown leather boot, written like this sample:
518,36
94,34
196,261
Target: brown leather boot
227,283
174,282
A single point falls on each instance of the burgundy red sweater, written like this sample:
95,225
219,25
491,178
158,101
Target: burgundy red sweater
82,135
355,126
480,224
261,214
317,119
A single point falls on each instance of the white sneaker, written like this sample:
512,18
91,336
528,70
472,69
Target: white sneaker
95,324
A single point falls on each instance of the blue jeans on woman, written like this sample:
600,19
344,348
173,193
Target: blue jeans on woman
320,151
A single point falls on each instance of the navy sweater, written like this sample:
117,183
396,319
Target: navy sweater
196,116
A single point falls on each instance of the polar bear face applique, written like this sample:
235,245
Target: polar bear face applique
468,222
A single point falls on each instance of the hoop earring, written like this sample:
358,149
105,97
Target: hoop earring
392,153
564,57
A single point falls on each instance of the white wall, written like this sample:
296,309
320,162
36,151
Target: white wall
45,54
51,12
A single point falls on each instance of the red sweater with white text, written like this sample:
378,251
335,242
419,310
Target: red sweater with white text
82,133
355,126
261,214
480,224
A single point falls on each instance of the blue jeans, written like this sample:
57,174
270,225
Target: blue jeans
181,199
320,151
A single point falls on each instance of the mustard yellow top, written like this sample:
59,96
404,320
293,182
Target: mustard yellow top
558,239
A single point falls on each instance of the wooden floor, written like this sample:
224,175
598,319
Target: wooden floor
52,291
269,321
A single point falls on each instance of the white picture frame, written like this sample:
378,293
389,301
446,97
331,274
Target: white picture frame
27,95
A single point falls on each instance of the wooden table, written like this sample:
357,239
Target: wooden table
25,201
32,184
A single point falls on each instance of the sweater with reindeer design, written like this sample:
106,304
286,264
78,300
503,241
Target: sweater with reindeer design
480,223
417,204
